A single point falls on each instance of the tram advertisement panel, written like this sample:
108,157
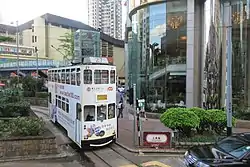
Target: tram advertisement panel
99,130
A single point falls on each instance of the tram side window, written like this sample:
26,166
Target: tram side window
78,76
78,79
101,112
49,76
63,76
59,103
59,76
67,106
112,76
111,110
52,76
67,76
78,111
63,104
89,113
56,100
56,76
87,76
73,77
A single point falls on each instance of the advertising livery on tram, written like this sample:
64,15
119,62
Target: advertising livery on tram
82,99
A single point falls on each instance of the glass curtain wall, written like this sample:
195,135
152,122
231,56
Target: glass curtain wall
240,54
156,45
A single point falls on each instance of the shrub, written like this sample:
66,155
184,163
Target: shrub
26,126
28,94
20,108
22,126
203,116
10,95
218,120
180,119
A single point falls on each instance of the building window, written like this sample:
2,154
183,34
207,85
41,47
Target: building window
33,40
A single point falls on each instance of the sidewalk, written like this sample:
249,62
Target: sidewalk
126,132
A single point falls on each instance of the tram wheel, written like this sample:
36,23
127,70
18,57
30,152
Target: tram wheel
102,133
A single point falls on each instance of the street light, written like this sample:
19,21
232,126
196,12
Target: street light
17,48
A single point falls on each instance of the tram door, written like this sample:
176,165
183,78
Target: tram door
78,124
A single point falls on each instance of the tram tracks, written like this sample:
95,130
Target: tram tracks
109,156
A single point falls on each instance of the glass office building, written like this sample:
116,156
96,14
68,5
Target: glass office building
177,51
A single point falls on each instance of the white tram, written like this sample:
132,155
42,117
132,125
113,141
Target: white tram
82,99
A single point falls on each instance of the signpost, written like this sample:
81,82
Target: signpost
157,139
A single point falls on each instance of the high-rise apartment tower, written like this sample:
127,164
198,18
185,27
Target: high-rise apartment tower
107,16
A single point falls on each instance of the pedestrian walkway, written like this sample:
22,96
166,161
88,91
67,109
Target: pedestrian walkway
127,129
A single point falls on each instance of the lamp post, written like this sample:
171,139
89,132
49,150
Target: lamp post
17,49
36,52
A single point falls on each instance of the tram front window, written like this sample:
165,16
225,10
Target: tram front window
101,112
111,110
89,113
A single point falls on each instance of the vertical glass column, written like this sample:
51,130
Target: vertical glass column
212,54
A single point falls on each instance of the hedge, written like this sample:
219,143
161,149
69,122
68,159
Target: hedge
22,126
186,120
19,108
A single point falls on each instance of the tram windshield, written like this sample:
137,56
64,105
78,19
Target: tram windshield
101,112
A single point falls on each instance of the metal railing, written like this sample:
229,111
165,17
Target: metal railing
33,63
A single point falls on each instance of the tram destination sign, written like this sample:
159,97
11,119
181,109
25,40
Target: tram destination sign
102,97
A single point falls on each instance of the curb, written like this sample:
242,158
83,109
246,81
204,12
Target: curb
171,152
149,115
39,111
39,157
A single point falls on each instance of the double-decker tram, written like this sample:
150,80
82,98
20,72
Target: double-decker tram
82,99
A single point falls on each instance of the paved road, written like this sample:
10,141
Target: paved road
41,164
114,155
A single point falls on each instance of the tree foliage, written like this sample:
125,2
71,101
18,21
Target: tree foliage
6,39
67,45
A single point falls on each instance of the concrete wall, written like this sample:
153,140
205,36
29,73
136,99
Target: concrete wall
26,146
27,37
119,60
40,34
54,34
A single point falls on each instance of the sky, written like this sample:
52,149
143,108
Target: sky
26,10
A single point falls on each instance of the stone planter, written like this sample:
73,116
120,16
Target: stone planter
38,101
186,145
27,146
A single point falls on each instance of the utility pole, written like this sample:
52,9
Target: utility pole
134,107
36,52
229,68
17,50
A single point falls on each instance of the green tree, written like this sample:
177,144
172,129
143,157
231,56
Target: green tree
67,45
6,39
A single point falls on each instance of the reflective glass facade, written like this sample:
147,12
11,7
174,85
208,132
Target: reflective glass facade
178,51
157,52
